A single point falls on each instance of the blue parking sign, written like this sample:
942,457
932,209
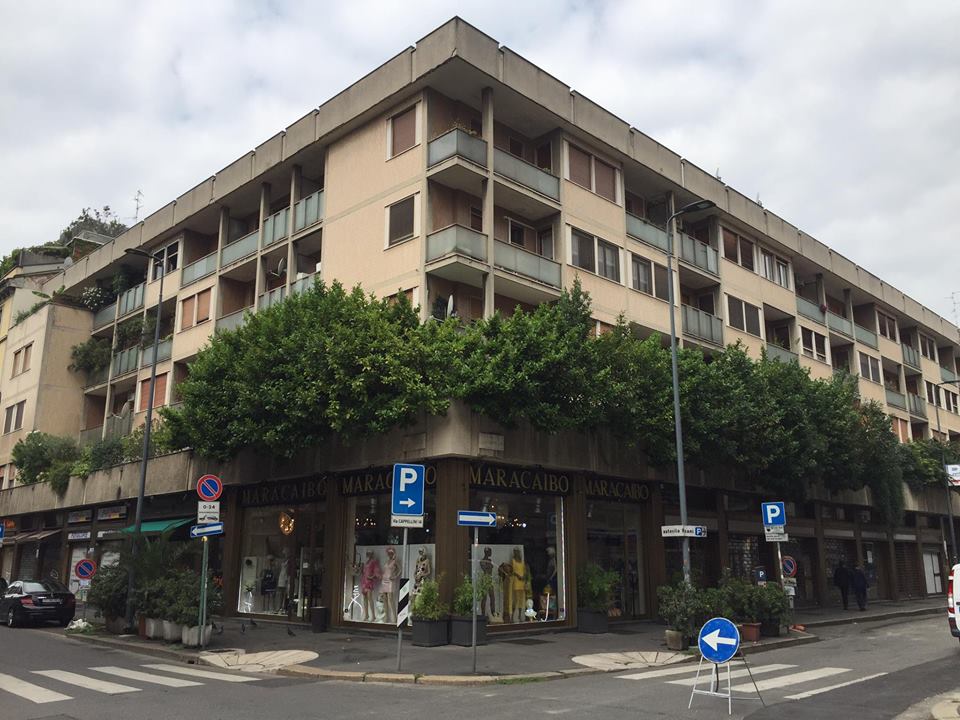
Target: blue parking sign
774,513
408,485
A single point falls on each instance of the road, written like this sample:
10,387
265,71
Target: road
869,670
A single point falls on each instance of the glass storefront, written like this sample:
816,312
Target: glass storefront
614,543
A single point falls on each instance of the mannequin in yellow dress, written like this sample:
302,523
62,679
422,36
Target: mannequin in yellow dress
518,585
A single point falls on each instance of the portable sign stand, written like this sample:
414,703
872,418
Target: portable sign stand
719,643
406,511
209,490
476,520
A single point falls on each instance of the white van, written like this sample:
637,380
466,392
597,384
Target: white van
953,601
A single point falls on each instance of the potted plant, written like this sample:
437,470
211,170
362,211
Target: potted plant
430,626
743,599
773,609
594,587
108,593
681,609
461,623
190,609
152,608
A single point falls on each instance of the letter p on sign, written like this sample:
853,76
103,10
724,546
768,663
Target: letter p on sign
408,482
774,513
408,476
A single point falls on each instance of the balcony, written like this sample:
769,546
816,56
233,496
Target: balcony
947,375
104,316
896,399
303,284
308,211
916,405
272,297
125,361
867,337
775,352
911,356
275,227
457,143
91,436
512,167
522,262
97,377
199,269
131,300
118,426
810,310
163,352
700,254
456,240
701,325
232,321
646,232
238,249
839,324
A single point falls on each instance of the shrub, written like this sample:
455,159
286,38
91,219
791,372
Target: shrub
427,604
58,475
681,607
772,604
37,453
742,599
108,591
94,297
463,594
24,314
90,356
106,453
594,587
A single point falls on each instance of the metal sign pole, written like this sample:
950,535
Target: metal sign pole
473,573
203,591
399,627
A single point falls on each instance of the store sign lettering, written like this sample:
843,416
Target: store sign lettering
288,491
116,512
79,516
617,490
519,479
373,482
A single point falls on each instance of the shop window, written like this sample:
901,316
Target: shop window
403,131
400,221
615,542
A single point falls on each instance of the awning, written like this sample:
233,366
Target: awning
35,536
157,526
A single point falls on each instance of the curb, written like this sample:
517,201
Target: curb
796,638
144,649
855,619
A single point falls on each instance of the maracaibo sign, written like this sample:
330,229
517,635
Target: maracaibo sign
300,490
613,489
501,477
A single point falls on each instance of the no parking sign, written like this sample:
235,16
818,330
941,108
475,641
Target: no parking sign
85,569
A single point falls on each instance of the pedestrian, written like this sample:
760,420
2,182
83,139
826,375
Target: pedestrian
859,583
841,578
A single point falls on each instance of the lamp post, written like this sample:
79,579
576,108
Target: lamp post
943,469
678,425
138,520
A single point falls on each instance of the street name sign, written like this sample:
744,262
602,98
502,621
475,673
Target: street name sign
953,475
693,531
475,518
774,513
719,640
208,512
206,530
776,535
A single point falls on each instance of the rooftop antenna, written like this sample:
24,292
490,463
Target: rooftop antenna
759,201
954,297
719,179
138,203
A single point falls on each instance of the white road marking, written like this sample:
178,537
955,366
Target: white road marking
794,679
144,677
690,668
29,691
197,672
722,674
86,682
818,691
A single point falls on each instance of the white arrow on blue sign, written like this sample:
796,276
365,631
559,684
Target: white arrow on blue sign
205,530
719,640
408,485
474,518
774,513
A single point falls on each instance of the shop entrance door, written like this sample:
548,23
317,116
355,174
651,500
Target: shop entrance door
614,543
931,572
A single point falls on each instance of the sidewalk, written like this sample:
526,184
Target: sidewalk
877,610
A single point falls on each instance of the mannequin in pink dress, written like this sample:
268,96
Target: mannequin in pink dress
391,572
368,581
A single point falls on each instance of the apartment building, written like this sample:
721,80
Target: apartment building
462,175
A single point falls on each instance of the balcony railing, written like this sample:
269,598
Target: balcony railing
132,299
272,297
810,310
704,326
911,356
520,261
456,240
304,283
118,425
163,352
247,245
125,361
91,436
947,375
104,316
896,399
531,176
97,377
232,321
646,232
840,324
698,253
460,143
916,405
775,352
867,337
308,211
199,269
275,227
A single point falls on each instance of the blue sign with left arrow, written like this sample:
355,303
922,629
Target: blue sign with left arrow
719,640
206,530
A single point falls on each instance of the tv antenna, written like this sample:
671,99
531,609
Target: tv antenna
138,203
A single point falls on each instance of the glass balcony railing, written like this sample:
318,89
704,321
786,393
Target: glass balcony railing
275,227
510,166
867,337
304,283
163,352
704,326
308,211
125,361
646,232
460,143
896,399
104,316
948,375
247,245
775,352
916,405
700,254
91,436
810,310
272,297
233,320
520,261
456,240
97,377
118,425
911,356
131,300
199,269
839,324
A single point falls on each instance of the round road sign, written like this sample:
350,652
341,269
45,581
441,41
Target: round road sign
719,640
85,569
789,566
209,488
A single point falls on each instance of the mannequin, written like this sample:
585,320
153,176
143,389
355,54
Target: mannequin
505,571
268,584
283,580
423,570
551,567
391,572
529,614
486,567
368,581
518,584
355,570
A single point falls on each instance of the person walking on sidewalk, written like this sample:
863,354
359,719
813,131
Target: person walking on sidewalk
859,583
841,578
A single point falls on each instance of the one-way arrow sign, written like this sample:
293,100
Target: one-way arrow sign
714,640
719,640
474,518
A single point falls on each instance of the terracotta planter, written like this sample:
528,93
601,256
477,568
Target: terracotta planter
141,626
461,630
676,640
750,632
592,621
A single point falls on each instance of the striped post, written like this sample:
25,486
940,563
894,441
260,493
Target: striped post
403,602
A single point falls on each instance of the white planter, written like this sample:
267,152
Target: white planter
154,628
172,631
190,636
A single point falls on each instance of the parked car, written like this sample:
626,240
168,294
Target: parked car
953,601
37,601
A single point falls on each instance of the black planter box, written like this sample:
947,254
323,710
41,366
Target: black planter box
318,618
461,630
431,633
770,628
592,621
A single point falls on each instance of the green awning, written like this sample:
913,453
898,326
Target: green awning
157,526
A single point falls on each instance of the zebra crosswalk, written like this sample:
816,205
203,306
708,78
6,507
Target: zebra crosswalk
56,682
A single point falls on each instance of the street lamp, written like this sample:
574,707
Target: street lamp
943,469
156,258
678,426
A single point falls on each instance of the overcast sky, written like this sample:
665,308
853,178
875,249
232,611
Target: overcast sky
843,117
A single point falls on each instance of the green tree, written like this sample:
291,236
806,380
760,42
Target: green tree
103,221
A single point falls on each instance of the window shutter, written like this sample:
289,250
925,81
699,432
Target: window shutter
606,180
579,166
160,391
187,308
404,132
203,305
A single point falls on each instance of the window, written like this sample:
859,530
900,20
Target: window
608,257
582,251
774,269
869,367
159,392
169,259
901,428
642,274
783,274
888,326
596,255
928,348
476,219
951,401
933,395
517,233
403,131
605,180
579,167
767,264
203,306
592,173
545,242
545,157
744,316
516,147
400,221
739,250
21,360
14,417
660,283
195,309
634,204
815,345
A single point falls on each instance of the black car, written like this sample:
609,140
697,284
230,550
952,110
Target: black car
41,600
